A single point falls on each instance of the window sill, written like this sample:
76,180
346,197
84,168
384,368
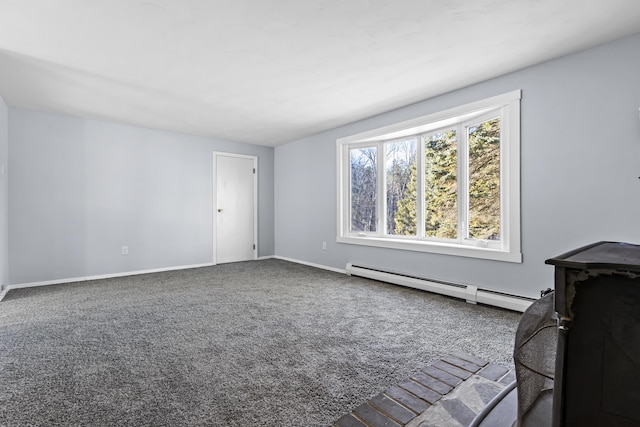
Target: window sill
434,247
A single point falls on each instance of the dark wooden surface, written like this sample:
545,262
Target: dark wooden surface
601,255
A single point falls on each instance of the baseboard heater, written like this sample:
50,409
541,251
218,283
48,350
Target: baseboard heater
471,294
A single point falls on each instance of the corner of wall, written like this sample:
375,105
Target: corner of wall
4,193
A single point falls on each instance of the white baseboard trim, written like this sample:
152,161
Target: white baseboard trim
311,264
468,292
261,258
7,288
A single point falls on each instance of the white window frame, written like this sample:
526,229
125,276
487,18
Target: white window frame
509,247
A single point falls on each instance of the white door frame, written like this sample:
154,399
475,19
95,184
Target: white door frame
214,200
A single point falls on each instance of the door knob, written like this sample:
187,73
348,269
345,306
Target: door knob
219,210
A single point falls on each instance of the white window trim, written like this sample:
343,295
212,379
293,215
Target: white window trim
510,249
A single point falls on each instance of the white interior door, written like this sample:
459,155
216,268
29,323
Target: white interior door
235,208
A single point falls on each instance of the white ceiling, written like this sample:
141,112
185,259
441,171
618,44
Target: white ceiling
272,71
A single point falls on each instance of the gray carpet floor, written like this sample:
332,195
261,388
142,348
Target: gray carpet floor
261,343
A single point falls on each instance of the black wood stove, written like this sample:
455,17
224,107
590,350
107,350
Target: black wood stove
597,300
577,349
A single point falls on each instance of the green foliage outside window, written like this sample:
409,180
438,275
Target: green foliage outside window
484,181
441,195
441,185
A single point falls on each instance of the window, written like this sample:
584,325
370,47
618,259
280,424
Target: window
445,183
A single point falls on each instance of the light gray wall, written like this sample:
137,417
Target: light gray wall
4,193
81,189
580,163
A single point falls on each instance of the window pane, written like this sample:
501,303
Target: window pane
363,189
441,198
400,170
484,180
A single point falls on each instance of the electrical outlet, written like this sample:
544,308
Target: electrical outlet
125,250
324,246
